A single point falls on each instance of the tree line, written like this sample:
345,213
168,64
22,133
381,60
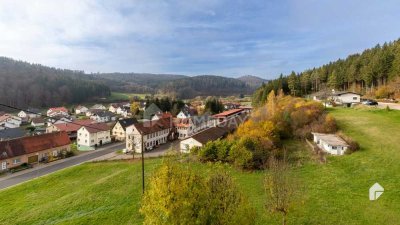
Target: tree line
364,73
33,85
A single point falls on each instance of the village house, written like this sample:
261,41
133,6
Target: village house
330,143
32,149
57,111
346,98
103,116
91,112
119,129
201,138
98,106
58,119
161,115
190,126
221,117
10,121
80,109
119,108
70,128
220,130
38,122
29,113
92,136
153,133
187,112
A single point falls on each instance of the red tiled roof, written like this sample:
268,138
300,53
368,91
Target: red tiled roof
25,145
228,113
73,127
59,109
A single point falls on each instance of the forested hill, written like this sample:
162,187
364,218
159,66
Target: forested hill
180,86
252,81
372,72
205,85
136,82
32,85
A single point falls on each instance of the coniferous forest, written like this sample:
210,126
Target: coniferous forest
32,85
375,73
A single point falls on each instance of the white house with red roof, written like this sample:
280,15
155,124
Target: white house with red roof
57,111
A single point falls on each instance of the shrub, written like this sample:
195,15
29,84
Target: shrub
177,195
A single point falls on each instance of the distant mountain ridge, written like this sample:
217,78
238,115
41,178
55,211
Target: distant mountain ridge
35,85
252,81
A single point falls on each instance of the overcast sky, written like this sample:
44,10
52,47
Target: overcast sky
230,38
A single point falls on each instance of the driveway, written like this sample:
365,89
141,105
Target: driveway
45,169
394,106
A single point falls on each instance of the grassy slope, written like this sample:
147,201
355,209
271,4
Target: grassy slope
335,193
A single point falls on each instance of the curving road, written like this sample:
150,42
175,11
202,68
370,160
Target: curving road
42,170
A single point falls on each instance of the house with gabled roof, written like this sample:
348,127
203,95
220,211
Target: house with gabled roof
103,116
57,111
98,106
93,135
32,149
29,113
119,130
152,132
70,128
80,109
201,138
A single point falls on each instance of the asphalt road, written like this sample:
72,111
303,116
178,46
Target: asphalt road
394,106
76,160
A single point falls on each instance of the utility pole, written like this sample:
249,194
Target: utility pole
142,163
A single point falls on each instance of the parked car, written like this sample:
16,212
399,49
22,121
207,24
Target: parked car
369,102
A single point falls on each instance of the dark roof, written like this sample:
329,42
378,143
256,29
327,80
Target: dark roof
153,126
104,113
127,122
25,145
97,127
210,134
11,133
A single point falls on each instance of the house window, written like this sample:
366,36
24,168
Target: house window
354,98
17,160
334,147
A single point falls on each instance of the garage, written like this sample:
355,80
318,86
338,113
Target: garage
33,159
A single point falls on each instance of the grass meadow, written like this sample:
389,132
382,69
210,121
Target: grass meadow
331,193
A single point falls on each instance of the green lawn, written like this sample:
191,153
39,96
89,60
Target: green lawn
334,193
125,96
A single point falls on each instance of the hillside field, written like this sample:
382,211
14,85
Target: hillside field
333,193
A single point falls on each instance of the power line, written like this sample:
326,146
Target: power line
45,116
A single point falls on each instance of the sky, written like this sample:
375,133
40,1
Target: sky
193,37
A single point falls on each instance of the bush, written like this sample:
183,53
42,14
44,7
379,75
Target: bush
177,195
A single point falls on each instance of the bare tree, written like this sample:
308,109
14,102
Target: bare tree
280,188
